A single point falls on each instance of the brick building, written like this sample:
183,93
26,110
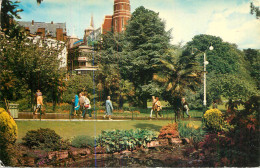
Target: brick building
52,30
118,20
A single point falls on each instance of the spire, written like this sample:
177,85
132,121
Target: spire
92,21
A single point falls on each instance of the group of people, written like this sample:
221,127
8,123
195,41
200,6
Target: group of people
157,107
81,105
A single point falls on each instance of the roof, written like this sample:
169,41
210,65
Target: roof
49,27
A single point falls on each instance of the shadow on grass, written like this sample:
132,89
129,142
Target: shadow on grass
148,126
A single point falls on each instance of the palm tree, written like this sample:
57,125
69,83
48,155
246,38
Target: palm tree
177,78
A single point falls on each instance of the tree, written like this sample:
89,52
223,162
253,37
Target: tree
35,66
177,78
9,13
226,66
147,43
255,10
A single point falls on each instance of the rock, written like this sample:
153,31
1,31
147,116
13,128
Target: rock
52,154
81,151
125,152
163,142
153,144
185,141
99,150
62,155
175,141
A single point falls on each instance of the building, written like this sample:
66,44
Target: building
52,30
81,51
52,34
118,21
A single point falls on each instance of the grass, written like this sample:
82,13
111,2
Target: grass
69,129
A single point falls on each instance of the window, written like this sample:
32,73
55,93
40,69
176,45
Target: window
123,24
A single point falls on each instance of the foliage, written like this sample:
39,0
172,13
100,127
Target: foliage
9,13
169,131
228,72
177,78
147,43
35,66
78,83
8,136
190,131
118,140
82,141
255,10
240,145
8,128
214,121
45,139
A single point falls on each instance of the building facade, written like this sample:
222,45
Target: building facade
51,30
81,51
118,21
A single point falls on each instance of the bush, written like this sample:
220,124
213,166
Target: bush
169,131
119,140
83,141
24,104
45,139
214,120
196,134
8,136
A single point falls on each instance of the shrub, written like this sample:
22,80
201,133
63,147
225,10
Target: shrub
82,141
8,136
119,140
214,120
190,131
24,104
169,131
46,139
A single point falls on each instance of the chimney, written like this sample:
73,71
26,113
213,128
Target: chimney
51,22
32,22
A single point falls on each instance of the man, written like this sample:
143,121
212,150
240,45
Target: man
39,101
81,103
185,107
154,100
87,107
109,108
157,107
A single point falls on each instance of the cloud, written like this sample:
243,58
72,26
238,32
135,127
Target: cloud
231,20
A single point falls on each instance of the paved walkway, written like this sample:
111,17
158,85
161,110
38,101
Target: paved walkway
79,120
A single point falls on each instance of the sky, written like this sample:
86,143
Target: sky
229,19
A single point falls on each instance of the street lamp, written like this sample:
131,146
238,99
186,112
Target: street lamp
205,62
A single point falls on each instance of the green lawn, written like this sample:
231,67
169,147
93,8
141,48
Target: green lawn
69,129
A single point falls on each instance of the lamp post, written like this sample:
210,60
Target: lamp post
205,63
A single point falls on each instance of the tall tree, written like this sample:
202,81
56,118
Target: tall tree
177,79
226,64
147,43
9,13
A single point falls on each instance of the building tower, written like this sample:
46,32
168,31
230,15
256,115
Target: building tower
89,31
121,14
117,22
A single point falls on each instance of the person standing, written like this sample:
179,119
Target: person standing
154,100
158,107
87,107
109,108
185,107
39,101
81,103
76,104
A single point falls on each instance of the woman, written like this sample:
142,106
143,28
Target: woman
158,107
109,108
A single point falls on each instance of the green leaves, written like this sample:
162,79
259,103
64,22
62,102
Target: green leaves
119,140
